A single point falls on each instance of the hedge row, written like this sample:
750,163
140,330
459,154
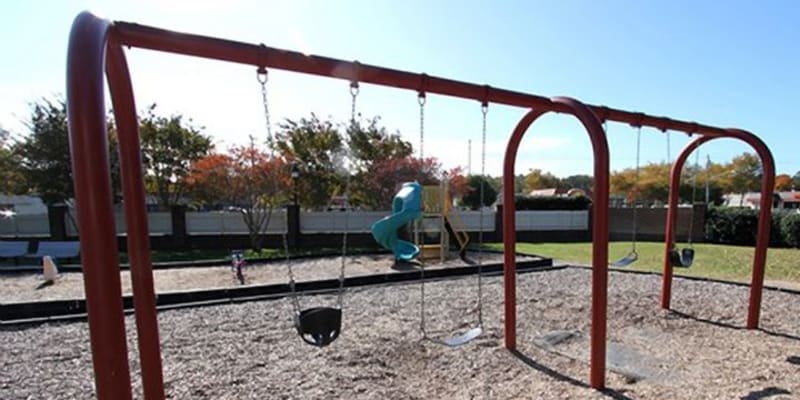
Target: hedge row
739,225
526,203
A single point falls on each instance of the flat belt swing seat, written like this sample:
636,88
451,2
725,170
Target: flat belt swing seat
632,256
629,259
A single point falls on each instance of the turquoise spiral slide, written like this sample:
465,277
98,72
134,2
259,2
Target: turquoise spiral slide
406,207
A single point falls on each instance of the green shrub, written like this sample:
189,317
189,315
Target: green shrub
790,229
524,203
472,199
731,226
776,237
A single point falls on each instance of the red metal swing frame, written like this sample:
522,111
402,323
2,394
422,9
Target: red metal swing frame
96,47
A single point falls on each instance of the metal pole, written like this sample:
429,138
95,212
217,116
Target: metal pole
92,179
599,232
147,37
144,297
764,220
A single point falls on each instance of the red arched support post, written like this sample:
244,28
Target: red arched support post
764,219
599,232
144,299
88,140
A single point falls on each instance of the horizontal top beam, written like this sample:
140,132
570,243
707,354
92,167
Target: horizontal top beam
147,37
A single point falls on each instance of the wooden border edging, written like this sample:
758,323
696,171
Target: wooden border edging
75,309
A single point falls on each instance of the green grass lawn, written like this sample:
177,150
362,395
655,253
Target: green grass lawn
711,260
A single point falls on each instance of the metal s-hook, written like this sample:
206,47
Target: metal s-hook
261,72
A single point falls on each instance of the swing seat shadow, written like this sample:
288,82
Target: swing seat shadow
680,314
764,393
405,266
564,378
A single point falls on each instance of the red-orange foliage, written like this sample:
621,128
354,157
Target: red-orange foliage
783,182
383,178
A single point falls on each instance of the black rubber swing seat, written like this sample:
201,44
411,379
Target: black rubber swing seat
687,257
684,258
319,326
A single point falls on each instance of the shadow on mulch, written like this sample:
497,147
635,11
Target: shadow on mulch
405,266
564,378
793,360
681,314
764,393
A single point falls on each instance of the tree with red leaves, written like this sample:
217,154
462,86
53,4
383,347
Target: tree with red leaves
246,178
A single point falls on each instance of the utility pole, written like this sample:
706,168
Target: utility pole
469,157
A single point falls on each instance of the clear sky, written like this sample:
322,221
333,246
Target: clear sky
731,63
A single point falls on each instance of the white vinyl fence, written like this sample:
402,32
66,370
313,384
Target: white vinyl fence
221,223
334,221
22,225
159,223
229,222
361,221
552,220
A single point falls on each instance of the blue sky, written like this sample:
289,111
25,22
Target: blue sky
730,63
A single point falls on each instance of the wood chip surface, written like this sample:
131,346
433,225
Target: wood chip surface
250,350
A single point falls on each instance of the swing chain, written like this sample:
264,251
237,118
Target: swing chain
484,111
419,225
636,187
694,194
263,77
354,90
422,100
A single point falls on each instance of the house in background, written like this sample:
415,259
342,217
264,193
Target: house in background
789,200
560,192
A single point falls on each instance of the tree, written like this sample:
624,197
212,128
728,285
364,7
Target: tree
369,143
746,174
654,182
536,179
210,180
783,182
317,147
43,154
259,185
246,178
169,147
13,181
472,198
384,178
457,182
796,180
585,182
623,183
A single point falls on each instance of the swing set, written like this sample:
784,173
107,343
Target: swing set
682,258
96,50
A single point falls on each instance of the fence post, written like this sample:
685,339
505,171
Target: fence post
699,224
178,216
497,235
590,223
57,218
293,225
